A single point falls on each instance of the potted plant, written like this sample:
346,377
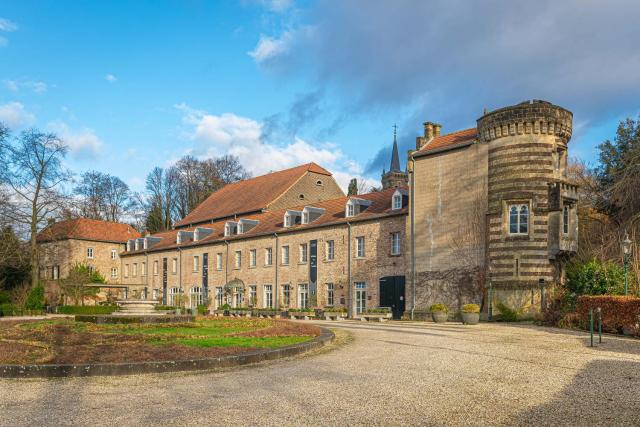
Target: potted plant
470,314
439,313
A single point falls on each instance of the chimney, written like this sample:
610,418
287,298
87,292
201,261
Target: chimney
428,130
436,129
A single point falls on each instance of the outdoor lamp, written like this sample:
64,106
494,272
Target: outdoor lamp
626,251
626,244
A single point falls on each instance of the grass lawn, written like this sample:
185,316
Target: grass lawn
67,341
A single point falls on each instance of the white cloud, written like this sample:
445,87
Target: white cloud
243,137
83,143
269,48
17,85
7,25
14,115
277,5
111,78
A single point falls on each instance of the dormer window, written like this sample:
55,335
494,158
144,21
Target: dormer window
311,213
183,236
201,232
245,225
397,199
292,218
351,210
230,228
356,206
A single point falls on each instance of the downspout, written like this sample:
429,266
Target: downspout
413,236
226,264
349,289
277,302
180,269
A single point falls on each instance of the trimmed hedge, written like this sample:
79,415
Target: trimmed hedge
620,314
87,309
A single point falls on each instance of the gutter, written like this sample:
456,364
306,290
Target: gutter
277,299
413,237
349,286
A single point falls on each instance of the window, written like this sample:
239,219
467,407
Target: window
268,256
305,217
361,297
360,247
285,255
238,259
219,295
301,196
565,219
156,294
252,258
173,292
55,274
268,296
174,266
90,253
304,250
196,263
218,261
397,201
196,297
286,295
126,270
350,210
253,295
135,269
395,243
330,250
330,294
303,296
319,182
518,219
114,254
144,269
287,220
155,268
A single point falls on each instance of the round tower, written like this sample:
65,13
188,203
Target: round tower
532,220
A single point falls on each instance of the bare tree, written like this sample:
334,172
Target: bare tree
33,171
161,191
103,196
229,169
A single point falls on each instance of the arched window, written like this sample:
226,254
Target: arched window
519,219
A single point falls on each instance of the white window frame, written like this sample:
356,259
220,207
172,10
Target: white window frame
174,265
219,261
351,210
114,272
519,218
286,295
395,243
360,247
126,270
253,294
397,202
287,220
331,250
268,296
143,269
253,257
330,294
285,255
219,296
303,295
196,296
268,256
196,263
304,252
89,253
155,268
238,259
114,254
135,269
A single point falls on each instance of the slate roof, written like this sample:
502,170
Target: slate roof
88,229
273,221
451,140
249,195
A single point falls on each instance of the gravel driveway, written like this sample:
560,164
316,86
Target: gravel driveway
379,374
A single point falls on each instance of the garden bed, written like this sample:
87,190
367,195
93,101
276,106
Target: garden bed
63,341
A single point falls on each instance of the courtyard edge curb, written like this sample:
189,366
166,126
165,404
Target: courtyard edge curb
111,369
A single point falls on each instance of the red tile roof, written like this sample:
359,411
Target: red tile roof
450,140
249,195
88,229
273,221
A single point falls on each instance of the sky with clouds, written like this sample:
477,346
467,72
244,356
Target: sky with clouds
132,85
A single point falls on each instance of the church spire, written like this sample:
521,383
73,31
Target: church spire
395,159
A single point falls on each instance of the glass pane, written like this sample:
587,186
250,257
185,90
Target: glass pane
513,220
524,219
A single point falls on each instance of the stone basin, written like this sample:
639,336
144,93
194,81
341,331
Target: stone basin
140,307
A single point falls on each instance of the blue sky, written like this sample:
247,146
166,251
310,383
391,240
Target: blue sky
132,85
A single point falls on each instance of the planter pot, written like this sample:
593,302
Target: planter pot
439,316
470,318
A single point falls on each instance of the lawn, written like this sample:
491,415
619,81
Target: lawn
67,341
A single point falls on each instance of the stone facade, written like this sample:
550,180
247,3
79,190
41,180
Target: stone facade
310,188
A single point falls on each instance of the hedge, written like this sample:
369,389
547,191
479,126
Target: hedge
87,309
620,314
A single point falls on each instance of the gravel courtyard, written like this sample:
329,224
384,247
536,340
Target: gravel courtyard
377,374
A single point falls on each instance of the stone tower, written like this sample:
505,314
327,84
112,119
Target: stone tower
396,177
532,216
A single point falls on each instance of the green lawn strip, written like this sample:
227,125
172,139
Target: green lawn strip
254,342
199,329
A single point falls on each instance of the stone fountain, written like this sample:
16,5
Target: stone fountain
137,307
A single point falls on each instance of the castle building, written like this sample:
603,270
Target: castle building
483,215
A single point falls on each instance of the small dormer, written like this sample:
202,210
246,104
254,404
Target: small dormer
139,243
292,218
399,199
244,225
184,237
310,214
150,241
356,206
130,244
201,232
230,228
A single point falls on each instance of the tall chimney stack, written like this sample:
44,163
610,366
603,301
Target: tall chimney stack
428,130
436,129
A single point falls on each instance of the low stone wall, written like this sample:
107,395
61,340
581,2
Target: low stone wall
104,369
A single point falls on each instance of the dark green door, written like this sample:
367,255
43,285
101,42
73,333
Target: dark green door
392,294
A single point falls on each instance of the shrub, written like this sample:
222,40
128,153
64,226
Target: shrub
164,307
202,310
619,313
471,308
335,309
35,299
379,310
595,278
439,308
87,309
507,314
5,297
7,309
300,310
224,307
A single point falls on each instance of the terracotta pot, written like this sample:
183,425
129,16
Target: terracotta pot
470,318
439,316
